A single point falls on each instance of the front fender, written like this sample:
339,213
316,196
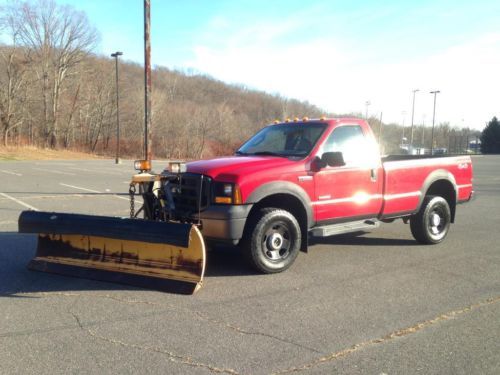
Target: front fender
283,187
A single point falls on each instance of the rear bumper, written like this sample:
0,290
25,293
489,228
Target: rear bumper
472,197
224,223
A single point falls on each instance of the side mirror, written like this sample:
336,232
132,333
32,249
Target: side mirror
333,159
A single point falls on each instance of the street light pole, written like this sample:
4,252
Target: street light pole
367,103
435,92
403,113
422,144
117,160
412,115
380,133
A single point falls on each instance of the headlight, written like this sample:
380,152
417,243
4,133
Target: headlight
142,165
177,167
227,193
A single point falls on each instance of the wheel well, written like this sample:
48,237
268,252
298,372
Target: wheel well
445,189
288,203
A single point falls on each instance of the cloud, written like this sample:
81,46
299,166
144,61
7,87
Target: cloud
340,76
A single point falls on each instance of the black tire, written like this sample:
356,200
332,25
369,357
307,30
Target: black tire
272,240
432,223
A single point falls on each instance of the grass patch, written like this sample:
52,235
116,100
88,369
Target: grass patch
34,153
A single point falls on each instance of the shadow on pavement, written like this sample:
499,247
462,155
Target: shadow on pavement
16,250
356,239
37,193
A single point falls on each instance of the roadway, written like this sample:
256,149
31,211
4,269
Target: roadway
378,303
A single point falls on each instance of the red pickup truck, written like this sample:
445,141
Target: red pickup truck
322,177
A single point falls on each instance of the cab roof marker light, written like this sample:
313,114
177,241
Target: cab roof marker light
305,118
287,120
276,122
323,118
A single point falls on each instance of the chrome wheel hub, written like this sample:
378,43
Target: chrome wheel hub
435,220
275,242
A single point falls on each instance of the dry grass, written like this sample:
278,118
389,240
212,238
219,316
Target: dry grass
33,153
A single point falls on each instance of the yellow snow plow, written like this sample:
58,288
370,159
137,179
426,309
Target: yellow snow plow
154,254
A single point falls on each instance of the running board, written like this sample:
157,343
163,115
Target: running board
353,226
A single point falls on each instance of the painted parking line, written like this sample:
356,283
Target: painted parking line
19,202
81,188
56,172
53,163
95,171
10,172
91,191
7,222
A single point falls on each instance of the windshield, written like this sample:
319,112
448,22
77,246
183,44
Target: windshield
283,140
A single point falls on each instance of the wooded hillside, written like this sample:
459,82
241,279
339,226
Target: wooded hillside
56,93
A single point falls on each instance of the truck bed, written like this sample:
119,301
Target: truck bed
408,177
398,157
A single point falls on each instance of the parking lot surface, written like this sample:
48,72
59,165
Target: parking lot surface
376,303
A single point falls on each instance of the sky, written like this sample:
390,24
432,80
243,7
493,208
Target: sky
337,55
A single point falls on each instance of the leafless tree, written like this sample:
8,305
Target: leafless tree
12,90
57,39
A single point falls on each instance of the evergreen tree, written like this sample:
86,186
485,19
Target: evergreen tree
490,138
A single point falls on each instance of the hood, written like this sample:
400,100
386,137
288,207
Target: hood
231,167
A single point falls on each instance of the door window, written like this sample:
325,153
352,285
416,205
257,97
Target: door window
353,144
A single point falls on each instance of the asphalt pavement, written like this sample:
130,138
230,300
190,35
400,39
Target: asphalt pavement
377,303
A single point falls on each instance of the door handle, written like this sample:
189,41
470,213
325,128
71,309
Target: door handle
373,174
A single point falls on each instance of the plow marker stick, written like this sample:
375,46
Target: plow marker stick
155,255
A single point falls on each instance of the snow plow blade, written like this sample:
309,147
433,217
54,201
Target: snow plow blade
154,255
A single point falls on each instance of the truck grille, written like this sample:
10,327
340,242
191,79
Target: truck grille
191,192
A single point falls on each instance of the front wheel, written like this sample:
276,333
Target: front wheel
431,224
273,240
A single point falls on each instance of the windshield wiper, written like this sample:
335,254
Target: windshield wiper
299,154
240,153
266,153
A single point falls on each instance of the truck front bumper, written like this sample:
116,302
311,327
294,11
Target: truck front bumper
224,223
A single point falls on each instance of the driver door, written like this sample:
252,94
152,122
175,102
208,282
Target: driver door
352,191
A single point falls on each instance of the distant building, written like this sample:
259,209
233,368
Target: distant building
440,151
474,146
419,151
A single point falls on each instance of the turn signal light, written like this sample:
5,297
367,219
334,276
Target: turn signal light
227,193
225,200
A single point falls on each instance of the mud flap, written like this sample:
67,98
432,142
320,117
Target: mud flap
155,255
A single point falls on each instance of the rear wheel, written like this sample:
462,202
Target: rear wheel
431,224
272,240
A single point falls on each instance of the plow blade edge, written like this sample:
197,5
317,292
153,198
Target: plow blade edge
155,255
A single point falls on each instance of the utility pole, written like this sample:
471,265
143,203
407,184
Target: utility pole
412,115
147,81
367,103
435,92
117,160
